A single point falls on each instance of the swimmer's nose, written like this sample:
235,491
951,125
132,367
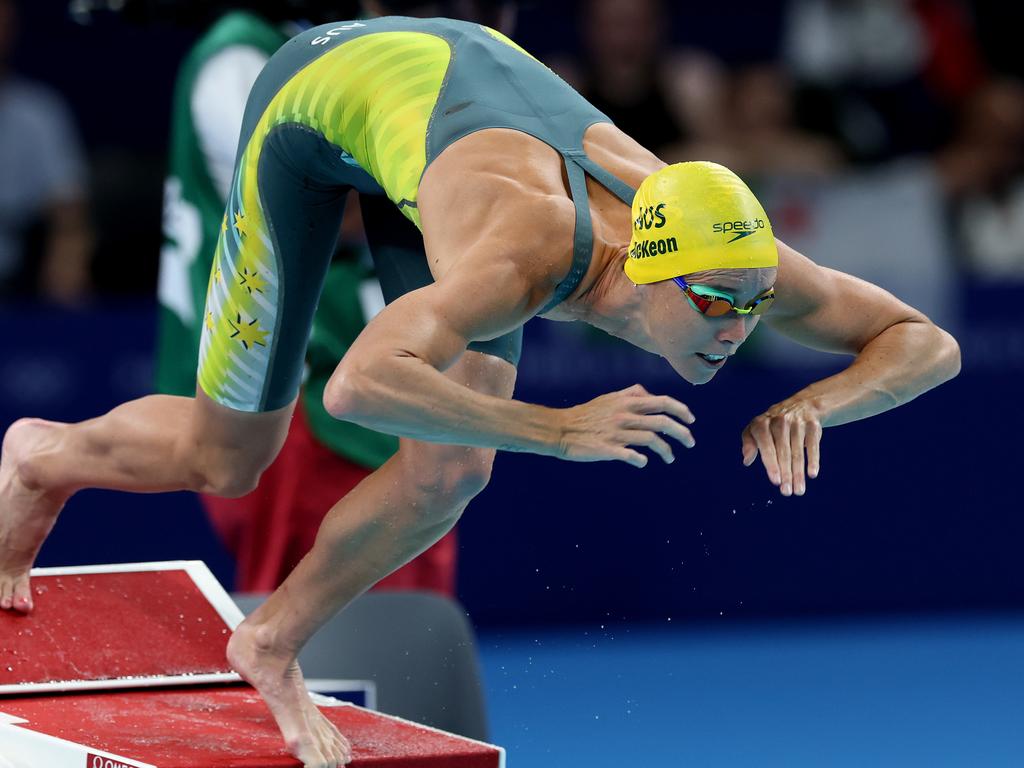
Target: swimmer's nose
733,330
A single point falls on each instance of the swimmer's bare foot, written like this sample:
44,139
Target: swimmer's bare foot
27,510
309,736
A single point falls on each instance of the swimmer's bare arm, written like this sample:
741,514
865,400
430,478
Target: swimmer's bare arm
899,354
391,379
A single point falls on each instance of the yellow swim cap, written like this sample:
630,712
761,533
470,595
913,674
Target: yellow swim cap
694,216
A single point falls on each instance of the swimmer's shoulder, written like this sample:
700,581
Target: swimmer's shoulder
499,197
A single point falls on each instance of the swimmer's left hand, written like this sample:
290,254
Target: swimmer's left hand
781,435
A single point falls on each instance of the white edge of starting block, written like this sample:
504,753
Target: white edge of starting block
326,701
24,748
197,569
114,683
206,583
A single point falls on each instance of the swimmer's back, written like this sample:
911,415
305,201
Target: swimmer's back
393,93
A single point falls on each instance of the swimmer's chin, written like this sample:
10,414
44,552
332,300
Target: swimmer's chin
703,379
694,376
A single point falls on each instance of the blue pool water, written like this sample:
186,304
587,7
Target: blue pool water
946,692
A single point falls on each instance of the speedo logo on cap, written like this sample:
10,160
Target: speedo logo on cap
741,228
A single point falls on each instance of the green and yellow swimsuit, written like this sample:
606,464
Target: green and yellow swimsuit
364,105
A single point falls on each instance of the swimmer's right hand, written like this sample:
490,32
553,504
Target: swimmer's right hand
611,426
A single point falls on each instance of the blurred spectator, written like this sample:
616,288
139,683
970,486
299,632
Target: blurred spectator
885,76
998,35
45,237
887,225
498,14
760,135
983,169
629,73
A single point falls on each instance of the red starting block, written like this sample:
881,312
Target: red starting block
125,666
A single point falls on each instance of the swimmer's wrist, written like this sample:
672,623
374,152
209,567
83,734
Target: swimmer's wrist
836,401
541,432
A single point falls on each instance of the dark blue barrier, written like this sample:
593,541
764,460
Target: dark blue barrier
71,366
918,509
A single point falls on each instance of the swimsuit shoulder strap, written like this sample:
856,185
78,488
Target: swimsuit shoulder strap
605,178
577,166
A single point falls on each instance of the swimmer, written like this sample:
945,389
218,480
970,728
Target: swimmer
529,202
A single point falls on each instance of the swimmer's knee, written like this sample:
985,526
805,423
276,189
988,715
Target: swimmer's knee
224,453
472,477
226,473
230,485
445,478
226,482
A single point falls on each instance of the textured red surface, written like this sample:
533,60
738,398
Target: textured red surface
218,727
110,626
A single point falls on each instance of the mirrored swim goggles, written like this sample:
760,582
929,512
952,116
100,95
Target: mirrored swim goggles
714,303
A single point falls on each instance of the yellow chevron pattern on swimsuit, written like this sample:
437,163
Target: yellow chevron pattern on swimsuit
508,41
372,97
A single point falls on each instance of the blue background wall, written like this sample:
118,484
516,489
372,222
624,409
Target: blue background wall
916,510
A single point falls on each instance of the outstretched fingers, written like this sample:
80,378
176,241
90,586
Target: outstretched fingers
666,425
797,434
613,426
780,430
665,404
664,415
813,442
748,447
649,439
764,446
787,437
631,457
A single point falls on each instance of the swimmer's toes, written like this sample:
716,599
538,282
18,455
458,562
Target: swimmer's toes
337,745
310,758
15,593
23,595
